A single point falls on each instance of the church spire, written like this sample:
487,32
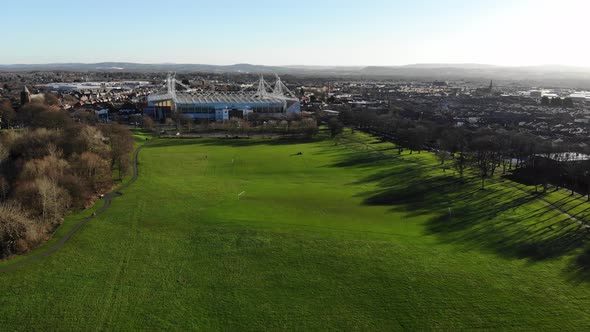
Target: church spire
25,96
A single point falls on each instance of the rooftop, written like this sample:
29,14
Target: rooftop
215,97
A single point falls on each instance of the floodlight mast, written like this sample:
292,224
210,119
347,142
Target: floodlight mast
173,86
261,90
263,87
188,88
281,89
280,92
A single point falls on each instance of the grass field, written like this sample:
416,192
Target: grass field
337,238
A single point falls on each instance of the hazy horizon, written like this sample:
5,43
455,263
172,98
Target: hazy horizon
418,65
330,33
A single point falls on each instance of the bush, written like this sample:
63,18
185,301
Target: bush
18,233
335,126
47,172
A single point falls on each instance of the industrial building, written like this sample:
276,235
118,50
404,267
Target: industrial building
221,106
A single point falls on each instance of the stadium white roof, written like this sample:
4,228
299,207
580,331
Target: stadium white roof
280,94
214,98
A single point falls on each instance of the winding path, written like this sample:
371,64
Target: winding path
107,203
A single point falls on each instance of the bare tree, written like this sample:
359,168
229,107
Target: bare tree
4,188
486,155
121,143
571,169
54,200
7,115
417,138
148,123
455,141
335,127
443,156
17,231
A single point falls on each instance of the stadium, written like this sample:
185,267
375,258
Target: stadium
219,106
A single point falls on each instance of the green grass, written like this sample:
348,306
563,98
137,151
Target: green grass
333,239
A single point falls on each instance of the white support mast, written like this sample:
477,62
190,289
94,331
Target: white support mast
263,87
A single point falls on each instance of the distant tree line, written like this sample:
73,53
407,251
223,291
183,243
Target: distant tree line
489,151
293,125
53,166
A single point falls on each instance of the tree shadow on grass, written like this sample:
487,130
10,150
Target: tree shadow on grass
171,142
246,142
363,159
507,236
233,142
499,219
578,268
491,220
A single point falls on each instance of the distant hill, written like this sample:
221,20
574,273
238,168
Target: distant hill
138,67
575,76
448,65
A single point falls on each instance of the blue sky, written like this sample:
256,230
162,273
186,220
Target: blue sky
320,32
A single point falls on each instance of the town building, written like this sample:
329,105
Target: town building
220,106
25,96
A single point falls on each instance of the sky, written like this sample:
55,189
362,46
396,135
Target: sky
297,32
